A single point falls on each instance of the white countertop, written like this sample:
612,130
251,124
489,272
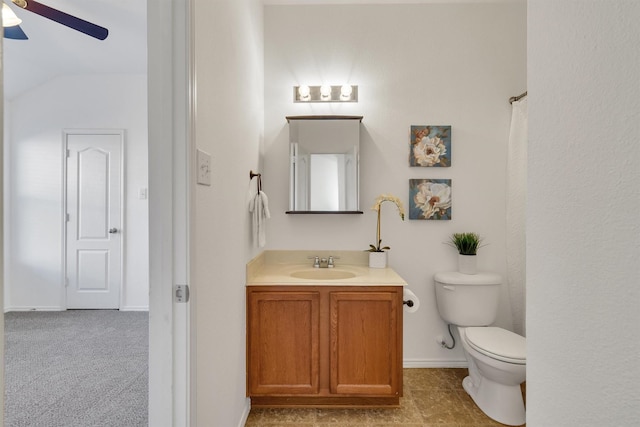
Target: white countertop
275,268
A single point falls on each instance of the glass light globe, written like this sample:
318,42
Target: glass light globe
9,18
304,92
345,92
325,91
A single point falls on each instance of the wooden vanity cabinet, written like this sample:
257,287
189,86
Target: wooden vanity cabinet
283,342
320,346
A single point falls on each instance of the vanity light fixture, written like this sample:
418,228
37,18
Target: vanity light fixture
325,93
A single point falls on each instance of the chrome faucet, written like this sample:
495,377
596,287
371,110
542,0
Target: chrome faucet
323,262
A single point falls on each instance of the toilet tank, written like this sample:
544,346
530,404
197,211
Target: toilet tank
468,299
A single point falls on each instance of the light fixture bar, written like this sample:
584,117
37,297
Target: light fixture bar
343,93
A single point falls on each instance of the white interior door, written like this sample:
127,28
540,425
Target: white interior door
94,223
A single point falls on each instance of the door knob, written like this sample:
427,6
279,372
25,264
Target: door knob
113,230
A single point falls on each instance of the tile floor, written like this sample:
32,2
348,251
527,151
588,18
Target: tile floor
432,398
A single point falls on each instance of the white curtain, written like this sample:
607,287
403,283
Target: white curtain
516,202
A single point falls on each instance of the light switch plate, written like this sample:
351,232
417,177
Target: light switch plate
142,193
203,165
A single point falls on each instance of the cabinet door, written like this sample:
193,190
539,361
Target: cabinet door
365,341
283,342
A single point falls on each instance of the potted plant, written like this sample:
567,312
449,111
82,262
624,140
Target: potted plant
467,245
377,254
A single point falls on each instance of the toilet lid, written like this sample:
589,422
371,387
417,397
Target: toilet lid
498,343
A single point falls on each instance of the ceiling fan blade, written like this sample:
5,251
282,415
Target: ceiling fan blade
15,33
65,19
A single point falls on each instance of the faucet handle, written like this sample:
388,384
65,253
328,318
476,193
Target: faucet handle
330,262
316,261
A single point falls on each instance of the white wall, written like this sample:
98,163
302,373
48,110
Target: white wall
34,261
438,64
229,123
583,334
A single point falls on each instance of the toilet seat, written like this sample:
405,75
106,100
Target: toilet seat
498,344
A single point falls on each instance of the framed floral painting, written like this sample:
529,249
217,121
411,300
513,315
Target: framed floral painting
430,199
430,146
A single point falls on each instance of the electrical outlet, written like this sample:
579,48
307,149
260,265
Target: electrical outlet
203,166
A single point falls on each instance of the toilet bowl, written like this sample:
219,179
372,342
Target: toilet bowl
497,366
496,357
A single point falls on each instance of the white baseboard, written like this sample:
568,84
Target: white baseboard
53,308
41,308
135,308
245,412
434,363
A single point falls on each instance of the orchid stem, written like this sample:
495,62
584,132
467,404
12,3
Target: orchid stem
378,240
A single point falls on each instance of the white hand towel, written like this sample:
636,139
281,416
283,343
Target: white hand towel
265,204
259,206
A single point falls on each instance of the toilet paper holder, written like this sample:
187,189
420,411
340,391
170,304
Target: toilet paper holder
410,300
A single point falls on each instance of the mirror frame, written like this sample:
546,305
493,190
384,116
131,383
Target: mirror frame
326,117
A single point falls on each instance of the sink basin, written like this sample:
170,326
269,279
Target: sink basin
323,274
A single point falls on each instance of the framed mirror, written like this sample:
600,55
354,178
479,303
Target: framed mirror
324,164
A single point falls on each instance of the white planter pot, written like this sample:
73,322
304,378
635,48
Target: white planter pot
378,259
467,264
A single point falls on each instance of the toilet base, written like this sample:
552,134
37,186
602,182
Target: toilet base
500,402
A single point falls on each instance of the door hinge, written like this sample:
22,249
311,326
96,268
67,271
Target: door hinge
68,153
66,282
181,293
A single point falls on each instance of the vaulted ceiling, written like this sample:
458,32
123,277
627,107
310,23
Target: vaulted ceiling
54,50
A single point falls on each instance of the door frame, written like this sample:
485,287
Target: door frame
171,87
65,132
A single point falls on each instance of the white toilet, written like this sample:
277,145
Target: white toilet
496,357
